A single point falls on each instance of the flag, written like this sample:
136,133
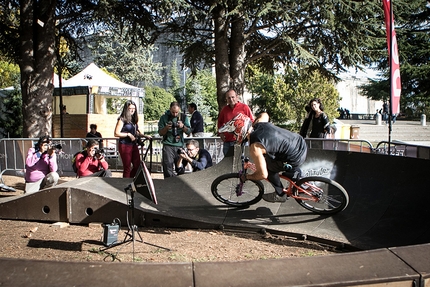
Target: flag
395,84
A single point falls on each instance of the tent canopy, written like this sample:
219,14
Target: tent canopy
93,76
90,88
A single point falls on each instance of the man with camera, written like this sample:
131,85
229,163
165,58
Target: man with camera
192,158
41,166
91,162
172,126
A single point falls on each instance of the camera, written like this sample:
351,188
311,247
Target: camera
58,148
55,146
175,126
99,152
181,151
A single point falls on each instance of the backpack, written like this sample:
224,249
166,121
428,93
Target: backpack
75,169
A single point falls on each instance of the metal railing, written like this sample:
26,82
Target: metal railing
340,144
13,151
403,149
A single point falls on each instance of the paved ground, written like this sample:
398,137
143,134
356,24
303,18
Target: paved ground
412,132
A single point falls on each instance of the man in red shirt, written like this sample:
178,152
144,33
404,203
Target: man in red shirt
91,161
232,109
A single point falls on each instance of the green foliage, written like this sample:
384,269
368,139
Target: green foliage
201,90
115,105
157,101
11,105
284,97
326,36
412,23
133,63
11,119
175,89
9,74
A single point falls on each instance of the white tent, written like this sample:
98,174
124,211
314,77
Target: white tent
87,91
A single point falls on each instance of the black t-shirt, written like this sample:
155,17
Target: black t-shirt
202,161
96,135
280,144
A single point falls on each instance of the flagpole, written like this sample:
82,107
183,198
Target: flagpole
390,108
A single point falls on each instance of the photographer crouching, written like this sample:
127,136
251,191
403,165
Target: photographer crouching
41,166
193,158
91,162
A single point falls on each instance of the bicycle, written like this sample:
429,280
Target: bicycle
320,195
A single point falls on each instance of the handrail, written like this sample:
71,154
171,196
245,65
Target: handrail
355,145
398,148
13,151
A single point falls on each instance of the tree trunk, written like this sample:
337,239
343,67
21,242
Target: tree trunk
37,65
221,56
237,54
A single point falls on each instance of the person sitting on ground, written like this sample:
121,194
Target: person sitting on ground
91,161
194,157
272,150
93,133
41,166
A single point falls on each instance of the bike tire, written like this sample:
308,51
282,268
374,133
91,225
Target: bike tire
224,190
331,200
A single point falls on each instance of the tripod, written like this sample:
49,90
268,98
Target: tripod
130,235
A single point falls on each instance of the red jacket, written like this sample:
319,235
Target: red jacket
88,165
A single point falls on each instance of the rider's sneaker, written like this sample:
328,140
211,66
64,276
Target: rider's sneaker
274,197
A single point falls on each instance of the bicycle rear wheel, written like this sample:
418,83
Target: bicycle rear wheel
325,196
224,189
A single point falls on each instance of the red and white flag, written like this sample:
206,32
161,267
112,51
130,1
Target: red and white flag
396,86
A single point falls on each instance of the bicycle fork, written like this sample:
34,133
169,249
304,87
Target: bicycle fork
246,164
239,186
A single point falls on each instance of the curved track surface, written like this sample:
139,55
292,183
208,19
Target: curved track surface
389,198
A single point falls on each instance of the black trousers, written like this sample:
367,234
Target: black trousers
274,167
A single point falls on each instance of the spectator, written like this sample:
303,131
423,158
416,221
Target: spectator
91,162
316,120
93,133
385,112
128,132
193,157
41,166
172,126
348,114
233,108
64,110
196,121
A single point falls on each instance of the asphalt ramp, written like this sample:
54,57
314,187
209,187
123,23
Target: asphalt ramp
389,198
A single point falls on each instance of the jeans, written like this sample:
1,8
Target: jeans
129,155
170,156
51,179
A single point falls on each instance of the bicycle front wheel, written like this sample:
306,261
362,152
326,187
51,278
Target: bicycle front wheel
225,189
321,195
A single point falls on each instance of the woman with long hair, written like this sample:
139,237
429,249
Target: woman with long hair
316,120
127,130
